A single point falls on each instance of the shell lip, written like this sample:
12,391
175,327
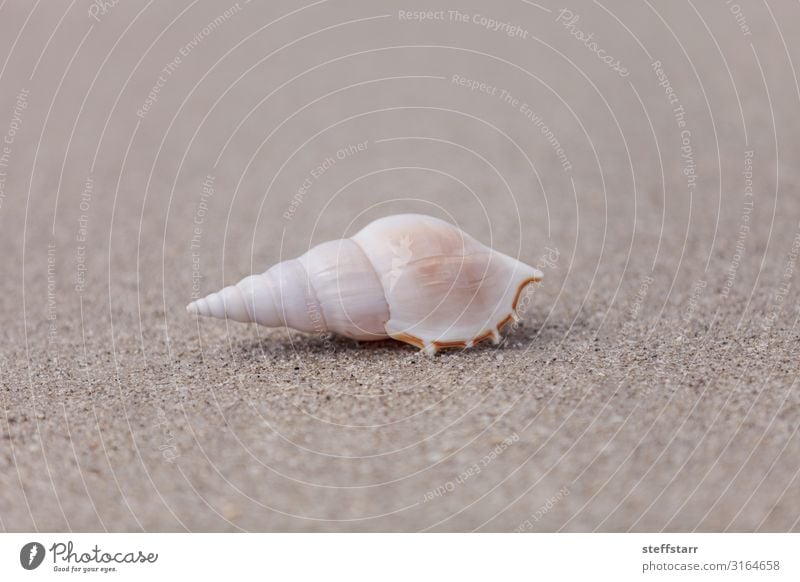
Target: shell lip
490,334
409,339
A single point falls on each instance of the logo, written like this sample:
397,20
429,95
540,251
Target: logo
31,555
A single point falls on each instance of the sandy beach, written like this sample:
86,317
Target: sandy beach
644,158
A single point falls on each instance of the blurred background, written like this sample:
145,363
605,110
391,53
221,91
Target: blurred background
644,156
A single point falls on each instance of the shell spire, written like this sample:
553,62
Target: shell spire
411,277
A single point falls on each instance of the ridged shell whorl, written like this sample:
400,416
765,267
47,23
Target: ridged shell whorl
412,277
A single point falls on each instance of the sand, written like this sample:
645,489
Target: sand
649,171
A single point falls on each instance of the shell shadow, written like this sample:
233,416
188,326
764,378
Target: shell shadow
287,344
299,344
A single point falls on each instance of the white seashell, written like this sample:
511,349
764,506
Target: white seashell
411,277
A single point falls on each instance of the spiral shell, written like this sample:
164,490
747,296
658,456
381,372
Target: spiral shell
411,277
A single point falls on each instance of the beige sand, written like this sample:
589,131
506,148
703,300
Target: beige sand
653,386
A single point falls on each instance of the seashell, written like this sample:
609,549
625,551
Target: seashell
412,277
